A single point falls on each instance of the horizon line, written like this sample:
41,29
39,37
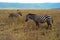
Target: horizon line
31,8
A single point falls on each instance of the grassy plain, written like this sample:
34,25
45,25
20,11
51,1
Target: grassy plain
18,29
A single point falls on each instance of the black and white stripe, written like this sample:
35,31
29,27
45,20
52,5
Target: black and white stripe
45,18
40,19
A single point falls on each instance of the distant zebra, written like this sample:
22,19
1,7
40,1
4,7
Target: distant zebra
40,19
15,15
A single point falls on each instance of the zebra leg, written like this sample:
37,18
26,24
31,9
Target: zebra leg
37,24
49,25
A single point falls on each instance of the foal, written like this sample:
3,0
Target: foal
15,15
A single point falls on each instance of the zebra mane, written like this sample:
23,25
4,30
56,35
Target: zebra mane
31,14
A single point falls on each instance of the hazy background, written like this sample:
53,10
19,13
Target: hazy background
30,5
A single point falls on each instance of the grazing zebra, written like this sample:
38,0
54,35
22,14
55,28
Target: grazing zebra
40,19
15,15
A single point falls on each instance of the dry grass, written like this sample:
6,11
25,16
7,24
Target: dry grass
18,29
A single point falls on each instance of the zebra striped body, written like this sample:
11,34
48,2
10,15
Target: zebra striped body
40,19
44,18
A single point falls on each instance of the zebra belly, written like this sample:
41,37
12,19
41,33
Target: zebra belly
42,21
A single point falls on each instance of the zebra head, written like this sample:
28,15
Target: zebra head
20,13
29,16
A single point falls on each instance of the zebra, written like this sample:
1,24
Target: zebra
40,19
15,15
14,18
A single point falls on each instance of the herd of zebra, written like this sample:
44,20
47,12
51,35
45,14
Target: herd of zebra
36,18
